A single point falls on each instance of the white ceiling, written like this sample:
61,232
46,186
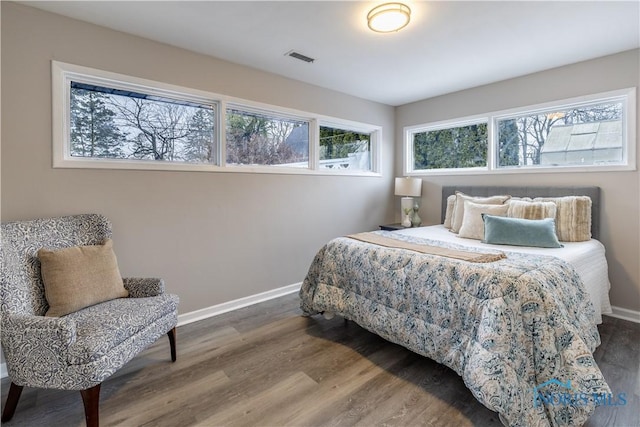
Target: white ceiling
448,45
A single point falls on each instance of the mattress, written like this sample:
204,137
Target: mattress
587,258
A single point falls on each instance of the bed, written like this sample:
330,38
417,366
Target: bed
520,329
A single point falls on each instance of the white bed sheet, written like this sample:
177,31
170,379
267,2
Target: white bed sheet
588,259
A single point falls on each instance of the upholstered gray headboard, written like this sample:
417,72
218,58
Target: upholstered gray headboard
592,192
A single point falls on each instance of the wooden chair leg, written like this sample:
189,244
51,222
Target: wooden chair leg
91,400
12,402
172,343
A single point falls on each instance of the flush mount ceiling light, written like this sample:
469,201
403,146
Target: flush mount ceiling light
389,17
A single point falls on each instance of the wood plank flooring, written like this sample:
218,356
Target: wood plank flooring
266,365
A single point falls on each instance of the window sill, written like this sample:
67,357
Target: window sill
186,167
528,170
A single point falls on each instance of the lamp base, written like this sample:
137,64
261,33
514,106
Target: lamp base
406,208
406,222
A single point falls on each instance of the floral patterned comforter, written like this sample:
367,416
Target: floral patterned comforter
512,329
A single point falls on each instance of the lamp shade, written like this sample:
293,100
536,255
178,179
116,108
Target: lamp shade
408,187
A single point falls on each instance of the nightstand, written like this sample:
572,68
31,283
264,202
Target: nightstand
392,227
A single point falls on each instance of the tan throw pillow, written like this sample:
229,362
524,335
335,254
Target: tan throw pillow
448,213
573,217
80,276
524,199
531,210
473,224
458,212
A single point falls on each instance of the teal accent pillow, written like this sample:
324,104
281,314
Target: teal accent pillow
500,230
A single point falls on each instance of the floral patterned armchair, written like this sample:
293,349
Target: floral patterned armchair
80,350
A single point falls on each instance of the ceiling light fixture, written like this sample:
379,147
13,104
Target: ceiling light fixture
389,17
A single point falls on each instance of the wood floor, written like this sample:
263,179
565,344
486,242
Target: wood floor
266,365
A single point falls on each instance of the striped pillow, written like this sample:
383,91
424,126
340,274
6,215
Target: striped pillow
573,217
531,210
448,214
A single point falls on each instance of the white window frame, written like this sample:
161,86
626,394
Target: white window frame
63,73
627,96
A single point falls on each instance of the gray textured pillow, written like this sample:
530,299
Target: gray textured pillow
80,276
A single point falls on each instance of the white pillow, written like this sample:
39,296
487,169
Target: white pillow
472,224
458,212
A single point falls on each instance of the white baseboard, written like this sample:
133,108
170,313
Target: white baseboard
225,307
215,310
625,314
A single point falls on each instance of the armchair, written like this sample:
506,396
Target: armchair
80,350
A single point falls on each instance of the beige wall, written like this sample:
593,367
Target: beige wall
214,237
620,190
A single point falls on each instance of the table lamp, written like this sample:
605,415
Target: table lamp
408,188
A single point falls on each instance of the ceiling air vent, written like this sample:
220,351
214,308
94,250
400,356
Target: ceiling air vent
301,57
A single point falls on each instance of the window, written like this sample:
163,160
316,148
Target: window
451,147
585,135
344,149
112,123
255,138
596,132
108,120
